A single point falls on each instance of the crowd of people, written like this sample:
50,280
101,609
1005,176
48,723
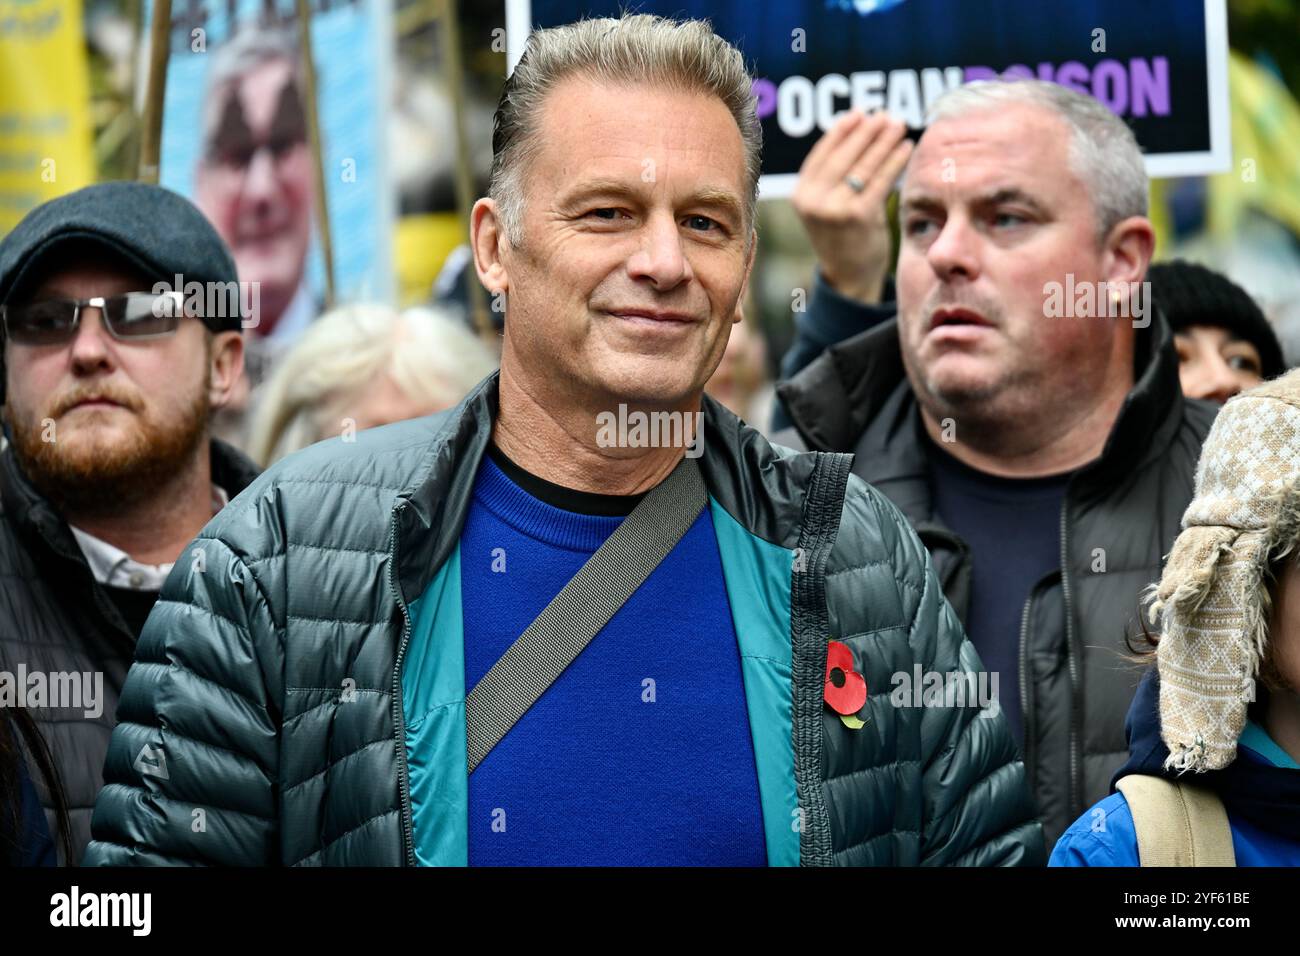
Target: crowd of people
694,650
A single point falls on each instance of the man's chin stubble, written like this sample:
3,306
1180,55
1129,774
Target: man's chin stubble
87,478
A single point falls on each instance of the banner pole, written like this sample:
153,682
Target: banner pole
317,148
155,92
449,28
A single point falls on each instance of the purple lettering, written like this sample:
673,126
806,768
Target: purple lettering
1110,85
1150,86
1074,75
765,94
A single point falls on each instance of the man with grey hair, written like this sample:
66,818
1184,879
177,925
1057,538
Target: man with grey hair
1023,409
587,616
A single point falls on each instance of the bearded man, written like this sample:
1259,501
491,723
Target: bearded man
112,366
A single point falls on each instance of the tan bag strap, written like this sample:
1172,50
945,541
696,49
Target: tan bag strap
1177,824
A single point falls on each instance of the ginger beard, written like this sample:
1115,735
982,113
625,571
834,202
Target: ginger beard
91,467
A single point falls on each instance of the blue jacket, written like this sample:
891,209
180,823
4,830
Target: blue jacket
1105,836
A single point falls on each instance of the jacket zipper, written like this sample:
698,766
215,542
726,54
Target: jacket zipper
399,720
1075,795
1026,714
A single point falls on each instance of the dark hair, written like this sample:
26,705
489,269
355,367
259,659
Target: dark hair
1143,650
1190,294
12,746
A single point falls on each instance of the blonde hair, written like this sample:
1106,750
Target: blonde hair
433,358
680,54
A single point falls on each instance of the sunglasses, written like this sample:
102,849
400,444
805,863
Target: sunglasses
133,317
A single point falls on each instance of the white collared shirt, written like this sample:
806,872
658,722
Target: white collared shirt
114,567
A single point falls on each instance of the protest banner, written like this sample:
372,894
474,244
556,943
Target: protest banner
1159,64
45,128
236,138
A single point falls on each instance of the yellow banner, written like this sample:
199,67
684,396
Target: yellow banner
45,131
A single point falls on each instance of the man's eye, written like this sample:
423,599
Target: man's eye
1008,219
608,213
917,227
701,223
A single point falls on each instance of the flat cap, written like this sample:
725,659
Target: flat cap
154,229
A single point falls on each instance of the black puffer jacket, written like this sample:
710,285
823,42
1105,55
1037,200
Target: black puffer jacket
1120,513
55,618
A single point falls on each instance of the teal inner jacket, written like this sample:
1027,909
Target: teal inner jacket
757,575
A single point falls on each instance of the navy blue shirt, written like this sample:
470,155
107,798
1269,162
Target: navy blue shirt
640,752
1013,529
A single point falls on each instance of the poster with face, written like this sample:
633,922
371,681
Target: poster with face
235,140
254,173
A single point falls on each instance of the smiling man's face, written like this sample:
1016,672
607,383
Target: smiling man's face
991,212
635,248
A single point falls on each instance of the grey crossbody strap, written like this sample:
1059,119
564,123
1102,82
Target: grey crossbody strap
583,606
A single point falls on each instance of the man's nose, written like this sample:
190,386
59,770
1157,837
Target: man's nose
90,349
954,251
661,258
260,182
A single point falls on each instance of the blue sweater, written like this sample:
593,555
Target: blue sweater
640,753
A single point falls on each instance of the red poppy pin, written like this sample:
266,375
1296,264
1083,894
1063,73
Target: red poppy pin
846,689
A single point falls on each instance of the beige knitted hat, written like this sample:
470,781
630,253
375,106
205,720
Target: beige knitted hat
1212,603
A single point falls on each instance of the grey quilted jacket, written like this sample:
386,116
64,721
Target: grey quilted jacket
263,720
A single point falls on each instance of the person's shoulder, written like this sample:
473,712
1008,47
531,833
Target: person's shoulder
345,476
872,528
1103,836
387,454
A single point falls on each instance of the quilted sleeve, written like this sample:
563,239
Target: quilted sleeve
977,810
191,772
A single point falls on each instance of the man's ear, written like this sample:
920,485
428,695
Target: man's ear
488,240
1128,251
227,364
